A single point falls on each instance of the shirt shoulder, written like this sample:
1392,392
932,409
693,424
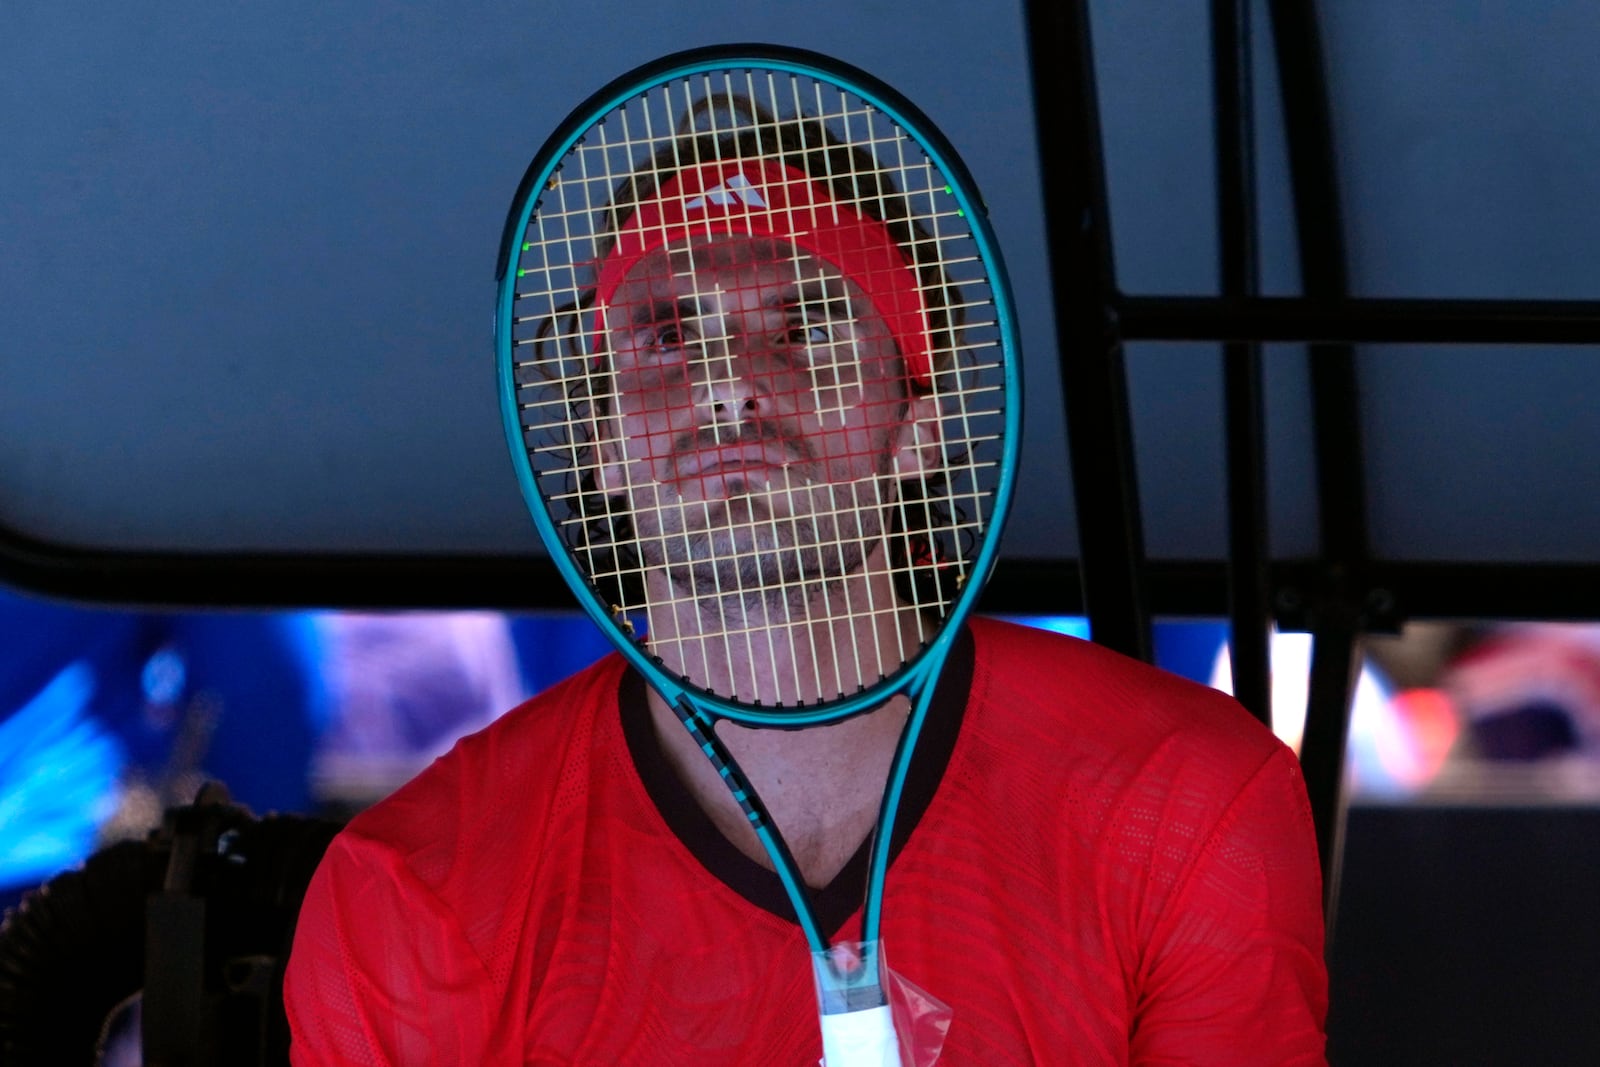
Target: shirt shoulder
491,793
1186,822
1093,696
1139,764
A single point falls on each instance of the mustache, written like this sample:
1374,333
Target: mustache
717,435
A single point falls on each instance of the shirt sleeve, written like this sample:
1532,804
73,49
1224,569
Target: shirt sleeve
1234,972
380,974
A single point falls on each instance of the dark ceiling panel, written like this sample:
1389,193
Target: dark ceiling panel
250,254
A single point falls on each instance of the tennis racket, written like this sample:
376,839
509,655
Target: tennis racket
759,374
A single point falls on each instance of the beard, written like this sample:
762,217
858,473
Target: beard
773,545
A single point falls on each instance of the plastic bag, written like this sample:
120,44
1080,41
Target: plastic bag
871,1016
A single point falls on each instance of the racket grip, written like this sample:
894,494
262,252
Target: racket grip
864,1038
856,1017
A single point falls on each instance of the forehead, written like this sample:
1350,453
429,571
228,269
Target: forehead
765,261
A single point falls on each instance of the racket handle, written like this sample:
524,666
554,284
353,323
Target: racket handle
857,1021
862,1038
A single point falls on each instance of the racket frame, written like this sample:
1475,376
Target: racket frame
698,709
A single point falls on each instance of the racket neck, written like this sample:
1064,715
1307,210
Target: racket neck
714,753
808,797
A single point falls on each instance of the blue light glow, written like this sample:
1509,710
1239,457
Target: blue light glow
1071,625
58,779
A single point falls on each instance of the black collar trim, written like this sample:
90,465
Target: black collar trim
841,898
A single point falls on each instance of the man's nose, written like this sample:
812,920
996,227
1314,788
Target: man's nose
726,385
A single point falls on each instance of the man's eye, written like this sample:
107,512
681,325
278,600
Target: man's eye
662,337
811,332
809,335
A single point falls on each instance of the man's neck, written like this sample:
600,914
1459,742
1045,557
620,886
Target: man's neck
822,785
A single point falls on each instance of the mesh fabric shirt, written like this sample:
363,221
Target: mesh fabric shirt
1097,863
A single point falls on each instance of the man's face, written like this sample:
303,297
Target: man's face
760,415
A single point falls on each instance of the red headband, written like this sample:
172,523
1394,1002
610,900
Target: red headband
764,198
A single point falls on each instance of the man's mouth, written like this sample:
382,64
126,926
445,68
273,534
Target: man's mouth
704,456
727,460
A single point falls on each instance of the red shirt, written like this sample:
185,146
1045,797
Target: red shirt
1098,863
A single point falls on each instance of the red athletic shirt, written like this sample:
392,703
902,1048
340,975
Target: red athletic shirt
1098,863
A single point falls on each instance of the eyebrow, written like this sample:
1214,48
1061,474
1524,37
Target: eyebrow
828,293
653,311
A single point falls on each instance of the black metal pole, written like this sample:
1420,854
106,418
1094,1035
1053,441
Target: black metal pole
1249,594
1083,281
1340,466
1336,629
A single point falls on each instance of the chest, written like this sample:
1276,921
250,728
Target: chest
648,960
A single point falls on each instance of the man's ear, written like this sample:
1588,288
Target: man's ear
609,476
921,446
605,452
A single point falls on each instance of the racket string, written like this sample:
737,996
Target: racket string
932,532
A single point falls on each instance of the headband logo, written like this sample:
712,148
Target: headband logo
737,189
767,198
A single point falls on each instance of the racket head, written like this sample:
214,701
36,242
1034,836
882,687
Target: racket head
570,266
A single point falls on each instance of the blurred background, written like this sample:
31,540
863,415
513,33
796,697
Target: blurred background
110,716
